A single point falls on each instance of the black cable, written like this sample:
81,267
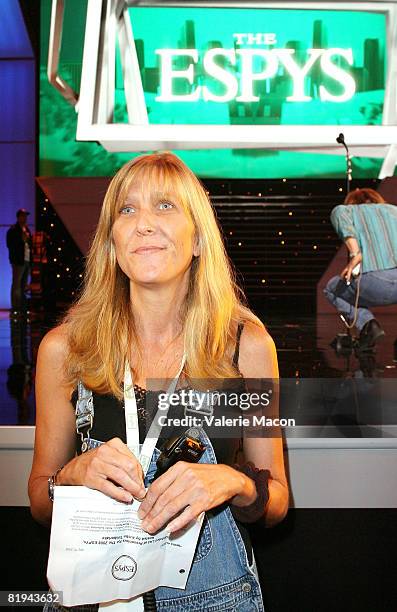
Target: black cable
341,140
149,599
149,602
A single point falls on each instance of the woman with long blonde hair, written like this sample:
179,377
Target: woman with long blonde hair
159,299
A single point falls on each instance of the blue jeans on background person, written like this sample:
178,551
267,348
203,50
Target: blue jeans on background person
20,275
378,288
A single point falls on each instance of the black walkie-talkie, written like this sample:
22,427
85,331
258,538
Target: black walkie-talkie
186,447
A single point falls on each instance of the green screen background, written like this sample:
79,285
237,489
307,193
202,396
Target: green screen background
154,28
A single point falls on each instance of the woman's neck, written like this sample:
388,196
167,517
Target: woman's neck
159,330
156,313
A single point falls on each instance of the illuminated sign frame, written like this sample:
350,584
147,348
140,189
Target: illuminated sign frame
108,20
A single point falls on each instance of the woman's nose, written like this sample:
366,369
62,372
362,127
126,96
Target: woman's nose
146,222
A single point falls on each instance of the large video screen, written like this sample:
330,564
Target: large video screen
228,66
297,67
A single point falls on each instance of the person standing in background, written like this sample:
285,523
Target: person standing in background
368,227
19,241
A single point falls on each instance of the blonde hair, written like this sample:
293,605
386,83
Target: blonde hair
100,325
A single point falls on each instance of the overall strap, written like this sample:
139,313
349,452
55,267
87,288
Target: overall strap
84,415
236,355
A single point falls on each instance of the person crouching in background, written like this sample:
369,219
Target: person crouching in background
368,227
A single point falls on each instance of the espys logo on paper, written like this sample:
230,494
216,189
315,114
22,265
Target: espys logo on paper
124,568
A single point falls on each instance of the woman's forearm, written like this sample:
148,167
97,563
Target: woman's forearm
277,506
40,503
352,246
247,494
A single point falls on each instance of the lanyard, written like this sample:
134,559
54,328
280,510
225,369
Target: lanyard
131,419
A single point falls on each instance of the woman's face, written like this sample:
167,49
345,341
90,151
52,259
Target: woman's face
154,237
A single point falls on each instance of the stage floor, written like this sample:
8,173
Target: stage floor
304,352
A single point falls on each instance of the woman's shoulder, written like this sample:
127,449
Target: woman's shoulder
51,362
54,344
255,338
258,357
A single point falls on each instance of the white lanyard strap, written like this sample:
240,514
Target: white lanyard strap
131,418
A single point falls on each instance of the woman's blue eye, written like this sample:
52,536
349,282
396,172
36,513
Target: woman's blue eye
126,210
166,205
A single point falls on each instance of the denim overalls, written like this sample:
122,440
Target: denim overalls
220,579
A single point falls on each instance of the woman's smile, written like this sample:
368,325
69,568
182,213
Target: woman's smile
148,250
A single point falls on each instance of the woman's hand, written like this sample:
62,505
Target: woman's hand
106,469
186,490
346,273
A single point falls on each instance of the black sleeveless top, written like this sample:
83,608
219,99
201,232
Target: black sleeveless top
109,422
109,417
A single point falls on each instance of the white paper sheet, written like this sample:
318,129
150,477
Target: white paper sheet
99,553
